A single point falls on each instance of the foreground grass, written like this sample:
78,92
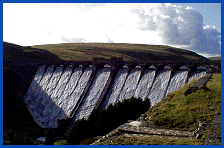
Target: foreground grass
179,111
147,140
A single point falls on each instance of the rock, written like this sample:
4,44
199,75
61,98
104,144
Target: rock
135,123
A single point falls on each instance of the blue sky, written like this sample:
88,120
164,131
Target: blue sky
211,12
191,26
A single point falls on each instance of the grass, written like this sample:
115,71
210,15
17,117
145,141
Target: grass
83,142
125,139
61,142
179,111
138,52
86,52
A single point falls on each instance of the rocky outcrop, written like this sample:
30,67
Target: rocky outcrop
200,84
135,127
214,136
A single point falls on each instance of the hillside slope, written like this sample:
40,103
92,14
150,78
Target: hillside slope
177,113
136,52
18,54
215,60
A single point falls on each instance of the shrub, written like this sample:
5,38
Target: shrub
102,121
79,131
49,138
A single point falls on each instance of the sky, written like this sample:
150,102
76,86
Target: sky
191,26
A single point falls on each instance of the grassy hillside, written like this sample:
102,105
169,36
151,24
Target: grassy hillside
215,60
137,52
180,111
86,51
19,54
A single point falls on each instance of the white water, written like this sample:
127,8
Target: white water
29,98
145,84
58,91
47,107
159,86
71,85
177,81
93,94
34,84
130,84
54,80
44,81
71,101
114,91
33,101
196,74
48,89
55,94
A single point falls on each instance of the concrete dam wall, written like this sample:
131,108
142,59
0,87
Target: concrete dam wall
74,90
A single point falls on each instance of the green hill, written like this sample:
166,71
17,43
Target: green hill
19,54
136,52
215,60
86,51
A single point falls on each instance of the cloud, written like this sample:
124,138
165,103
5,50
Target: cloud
179,26
110,23
73,40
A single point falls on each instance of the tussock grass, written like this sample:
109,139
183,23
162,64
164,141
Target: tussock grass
147,140
184,112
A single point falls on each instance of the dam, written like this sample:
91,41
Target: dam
73,90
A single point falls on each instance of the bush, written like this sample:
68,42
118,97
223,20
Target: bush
102,121
79,131
17,139
49,138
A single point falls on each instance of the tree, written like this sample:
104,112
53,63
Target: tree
49,138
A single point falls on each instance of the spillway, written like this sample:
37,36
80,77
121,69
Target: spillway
58,91
54,80
93,94
159,86
43,84
48,108
74,92
145,84
69,88
130,84
34,100
117,85
177,81
196,74
73,99
34,84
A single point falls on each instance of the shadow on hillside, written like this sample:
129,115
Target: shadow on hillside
26,55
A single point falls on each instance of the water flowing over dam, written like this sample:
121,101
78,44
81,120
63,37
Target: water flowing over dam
93,94
75,90
115,89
